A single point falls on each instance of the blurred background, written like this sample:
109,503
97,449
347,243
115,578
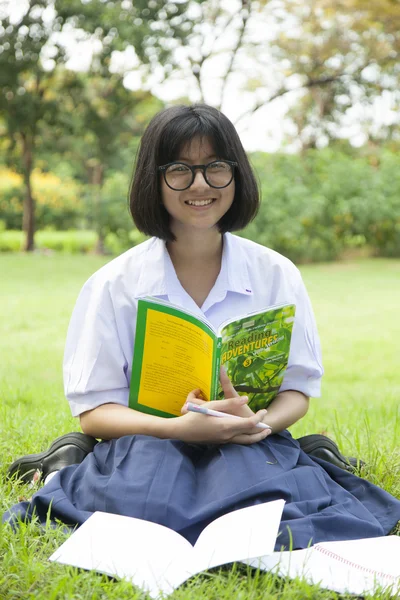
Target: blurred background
311,85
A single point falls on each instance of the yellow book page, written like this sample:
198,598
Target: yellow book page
177,359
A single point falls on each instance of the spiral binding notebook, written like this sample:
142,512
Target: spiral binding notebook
354,566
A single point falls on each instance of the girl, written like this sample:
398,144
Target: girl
193,184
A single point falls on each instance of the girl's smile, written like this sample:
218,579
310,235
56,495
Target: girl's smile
199,206
199,203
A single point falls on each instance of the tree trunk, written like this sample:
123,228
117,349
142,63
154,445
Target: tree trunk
28,219
97,182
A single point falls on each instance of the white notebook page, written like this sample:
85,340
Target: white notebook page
354,566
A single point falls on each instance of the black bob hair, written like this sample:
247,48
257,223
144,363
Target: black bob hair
165,136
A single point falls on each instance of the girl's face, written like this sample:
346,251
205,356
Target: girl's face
199,207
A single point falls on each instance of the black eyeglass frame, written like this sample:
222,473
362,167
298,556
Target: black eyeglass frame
193,168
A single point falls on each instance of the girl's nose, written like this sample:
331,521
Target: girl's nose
199,180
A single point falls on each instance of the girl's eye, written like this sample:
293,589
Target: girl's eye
219,166
178,169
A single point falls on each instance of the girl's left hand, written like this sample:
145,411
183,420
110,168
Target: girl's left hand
233,404
230,392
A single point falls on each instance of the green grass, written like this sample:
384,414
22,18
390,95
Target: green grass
357,310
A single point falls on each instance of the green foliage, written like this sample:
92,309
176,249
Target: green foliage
382,223
328,53
318,204
63,204
315,206
58,203
74,241
11,241
107,207
42,103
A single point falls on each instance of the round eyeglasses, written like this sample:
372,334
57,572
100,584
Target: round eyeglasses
179,176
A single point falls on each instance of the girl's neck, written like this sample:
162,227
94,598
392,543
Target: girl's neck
196,248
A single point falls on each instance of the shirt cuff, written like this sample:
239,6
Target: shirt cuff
309,387
81,403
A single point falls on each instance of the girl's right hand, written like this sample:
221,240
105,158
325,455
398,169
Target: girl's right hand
203,429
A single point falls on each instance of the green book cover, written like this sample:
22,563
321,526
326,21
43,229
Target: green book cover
177,351
255,352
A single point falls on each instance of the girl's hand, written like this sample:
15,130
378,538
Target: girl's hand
229,392
203,429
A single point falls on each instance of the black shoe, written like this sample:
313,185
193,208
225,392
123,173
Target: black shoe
323,447
69,449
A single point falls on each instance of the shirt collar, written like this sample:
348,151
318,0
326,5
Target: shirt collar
157,279
152,279
234,263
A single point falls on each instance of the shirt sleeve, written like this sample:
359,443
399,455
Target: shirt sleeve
304,369
94,363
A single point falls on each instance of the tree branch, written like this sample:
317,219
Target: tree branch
281,92
246,11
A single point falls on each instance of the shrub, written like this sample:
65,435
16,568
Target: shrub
314,206
11,241
58,201
72,242
382,223
317,205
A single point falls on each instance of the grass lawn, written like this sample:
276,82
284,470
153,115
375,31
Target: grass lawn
357,309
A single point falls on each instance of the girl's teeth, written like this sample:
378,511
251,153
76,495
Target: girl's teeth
200,202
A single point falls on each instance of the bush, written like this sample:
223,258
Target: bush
72,242
11,241
317,205
116,243
382,223
59,241
107,210
58,201
296,217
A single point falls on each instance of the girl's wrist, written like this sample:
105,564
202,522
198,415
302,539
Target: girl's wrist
171,428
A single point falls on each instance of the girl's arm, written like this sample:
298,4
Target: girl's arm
109,421
287,408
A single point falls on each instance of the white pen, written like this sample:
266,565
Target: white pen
216,413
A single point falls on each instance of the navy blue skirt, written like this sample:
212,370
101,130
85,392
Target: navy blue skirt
185,487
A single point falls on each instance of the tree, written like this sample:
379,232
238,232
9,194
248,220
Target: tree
325,56
107,117
333,54
32,48
219,34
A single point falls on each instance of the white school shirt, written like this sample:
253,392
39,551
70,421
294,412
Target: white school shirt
101,335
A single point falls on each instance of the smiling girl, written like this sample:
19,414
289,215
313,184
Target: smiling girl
193,185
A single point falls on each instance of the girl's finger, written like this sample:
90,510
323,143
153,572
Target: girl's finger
229,404
226,384
195,396
252,438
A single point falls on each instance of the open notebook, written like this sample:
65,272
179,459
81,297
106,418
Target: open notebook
159,560
354,566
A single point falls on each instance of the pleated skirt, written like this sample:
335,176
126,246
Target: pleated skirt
185,487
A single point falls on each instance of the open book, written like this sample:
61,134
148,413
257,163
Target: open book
353,566
177,351
159,560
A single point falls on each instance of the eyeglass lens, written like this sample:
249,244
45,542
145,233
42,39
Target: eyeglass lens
217,174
